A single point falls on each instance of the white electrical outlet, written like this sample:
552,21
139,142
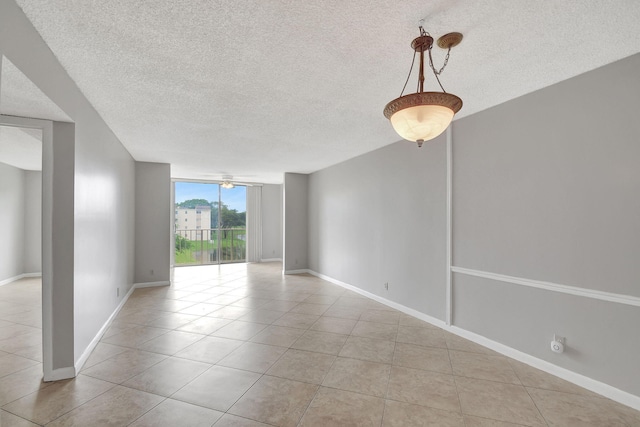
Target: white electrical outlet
557,344
386,285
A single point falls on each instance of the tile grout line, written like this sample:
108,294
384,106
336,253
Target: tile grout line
83,403
455,383
318,386
534,403
150,409
22,418
261,374
386,394
325,375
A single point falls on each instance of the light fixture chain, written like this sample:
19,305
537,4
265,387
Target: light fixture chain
437,73
446,61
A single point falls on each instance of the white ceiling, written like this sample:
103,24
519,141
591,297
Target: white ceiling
257,88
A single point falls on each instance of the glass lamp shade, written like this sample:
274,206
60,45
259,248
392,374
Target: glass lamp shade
422,116
421,123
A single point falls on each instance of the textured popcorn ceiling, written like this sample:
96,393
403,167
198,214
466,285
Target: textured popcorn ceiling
19,147
20,97
257,88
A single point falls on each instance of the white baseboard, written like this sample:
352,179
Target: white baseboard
10,280
18,277
411,312
151,284
271,260
573,377
94,342
37,274
60,374
301,271
567,375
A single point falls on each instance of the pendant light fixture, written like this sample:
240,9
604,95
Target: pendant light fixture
422,116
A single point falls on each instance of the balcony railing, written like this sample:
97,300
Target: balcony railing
210,246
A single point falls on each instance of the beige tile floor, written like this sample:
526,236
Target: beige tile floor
241,345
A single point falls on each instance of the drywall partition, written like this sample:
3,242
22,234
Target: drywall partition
381,218
61,338
12,196
153,223
296,187
545,225
101,201
271,222
33,222
104,227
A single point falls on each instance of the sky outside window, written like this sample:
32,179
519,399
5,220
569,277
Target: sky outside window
234,198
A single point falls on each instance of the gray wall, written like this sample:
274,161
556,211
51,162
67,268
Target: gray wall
602,337
64,304
381,217
101,191
12,197
153,222
295,221
271,221
546,187
33,222
104,224
21,216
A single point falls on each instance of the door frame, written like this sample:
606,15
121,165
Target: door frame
46,126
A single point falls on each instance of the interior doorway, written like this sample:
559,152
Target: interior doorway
25,256
209,223
20,202
21,249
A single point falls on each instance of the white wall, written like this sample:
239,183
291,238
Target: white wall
271,221
33,222
381,218
12,220
153,222
254,223
295,201
101,196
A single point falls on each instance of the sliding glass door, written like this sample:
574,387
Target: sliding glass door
209,224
